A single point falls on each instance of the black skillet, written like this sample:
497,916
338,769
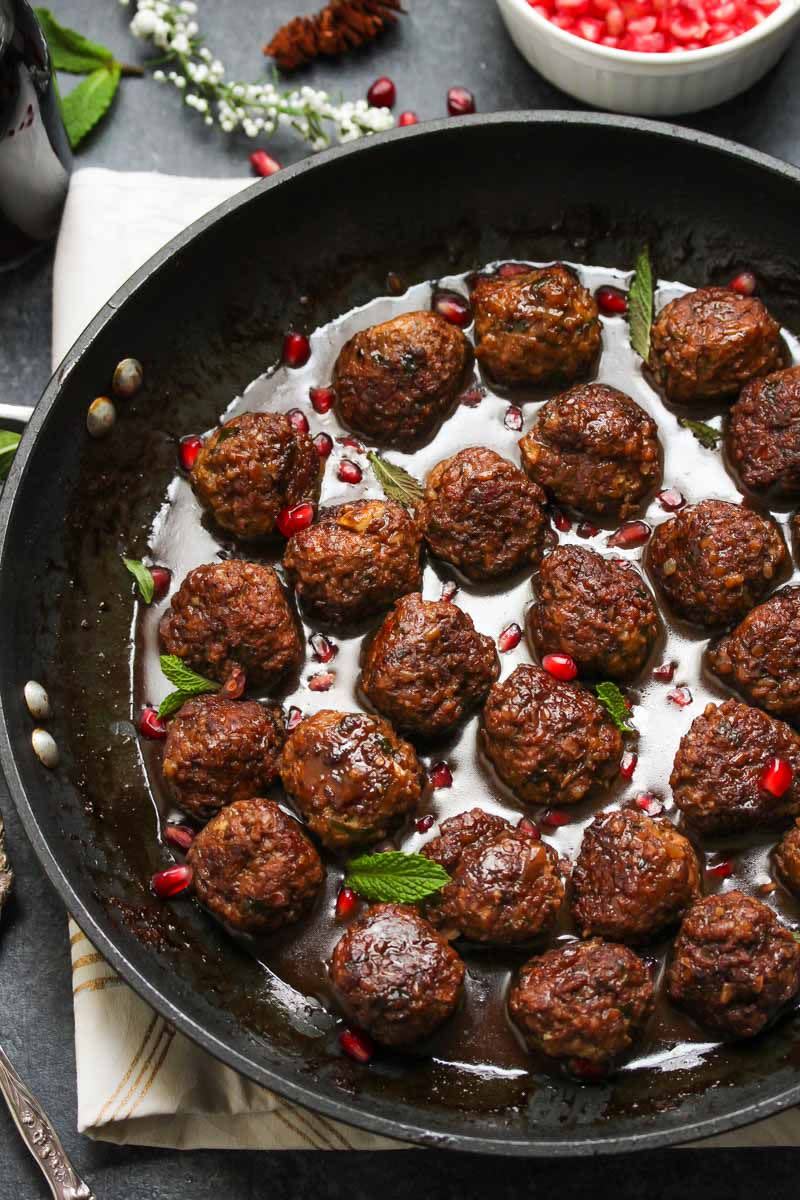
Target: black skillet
205,315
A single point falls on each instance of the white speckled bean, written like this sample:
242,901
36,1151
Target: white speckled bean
45,748
127,379
37,700
100,417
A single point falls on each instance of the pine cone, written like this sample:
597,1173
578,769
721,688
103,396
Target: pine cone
341,26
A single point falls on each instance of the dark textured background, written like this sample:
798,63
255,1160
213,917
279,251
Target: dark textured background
442,42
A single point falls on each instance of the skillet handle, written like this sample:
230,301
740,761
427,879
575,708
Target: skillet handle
20,414
40,1137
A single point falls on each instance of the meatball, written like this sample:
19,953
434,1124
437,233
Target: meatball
218,751
763,433
505,887
715,560
483,515
428,667
356,560
594,449
707,344
586,1000
251,468
716,774
232,616
633,878
395,976
786,859
254,868
598,611
547,740
396,382
761,656
536,328
734,965
351,777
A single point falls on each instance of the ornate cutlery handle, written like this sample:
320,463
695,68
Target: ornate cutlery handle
40,1137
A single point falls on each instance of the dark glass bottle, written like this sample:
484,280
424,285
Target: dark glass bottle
35,158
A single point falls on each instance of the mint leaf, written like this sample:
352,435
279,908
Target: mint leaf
171,703
706,435
8,448
184,678
395,877
396,482
70,51
144,580
83,107
640,305
613,702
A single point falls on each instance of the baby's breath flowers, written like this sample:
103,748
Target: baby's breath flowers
258,109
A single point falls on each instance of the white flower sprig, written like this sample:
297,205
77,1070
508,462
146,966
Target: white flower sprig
259,109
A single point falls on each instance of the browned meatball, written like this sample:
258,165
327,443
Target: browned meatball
396,382
715,560
351,777
598,611
483,515
709,343
356,560
395,976
587,1001
254,868
763,433
720,761
230,616
734,965
536,328
251,468
761,656
505,887
786,859
633,878
594,449
218,751
549,741
427,666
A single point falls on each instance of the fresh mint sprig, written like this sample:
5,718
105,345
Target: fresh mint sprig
143,577
640,305
187,684
395,877
706,435
614,703
395,481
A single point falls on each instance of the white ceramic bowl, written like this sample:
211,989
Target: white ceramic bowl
656,85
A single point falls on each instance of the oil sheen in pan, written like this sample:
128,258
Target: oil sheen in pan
477,1048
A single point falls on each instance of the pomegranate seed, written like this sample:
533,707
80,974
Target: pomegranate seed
460,102
454,307
161,580
744,283
172,881
611,301
449,590
294,718
440,775
588,1071
630,535
554,818
234,685
321,399
513,418
296,350
188,449
561,521
292,520
151,726
423,824
178,835
322,681
382,93
324,649
671,499
510,269
472,396
357,1045
665,672
407,118
721,870
349,440
509,638
628,764
587,530
560,666
298,419
776,778
680,696
527,826
649,804
264,164
323,444
349,472
346,903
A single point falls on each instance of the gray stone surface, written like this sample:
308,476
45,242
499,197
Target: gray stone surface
442,42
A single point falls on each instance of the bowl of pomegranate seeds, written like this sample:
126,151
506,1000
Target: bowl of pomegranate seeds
652,57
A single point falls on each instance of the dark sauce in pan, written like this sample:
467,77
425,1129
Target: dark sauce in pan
476,1053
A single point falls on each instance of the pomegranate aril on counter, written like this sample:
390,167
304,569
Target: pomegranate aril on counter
554,818
349,472
745,282
561,521
346,903
321,682
587,530
323,443
627,764
321,399
509,638
171,882
449,590
161,577
324,649
513,418
680,696
151,726
292,520
671,499
649,804
357,1045
655,26
407,118
296,350
188,449
611,301
454,307
349,440
178,835
382,93
423,824
440,775
665,672
264,164
720,870
460,101
560,666
776,777
294,718
630,535
298,419
529,827
472,396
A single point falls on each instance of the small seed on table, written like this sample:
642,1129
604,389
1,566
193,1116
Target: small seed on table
45,748
37,700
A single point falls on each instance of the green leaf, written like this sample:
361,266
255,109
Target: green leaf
706,435
613,702
84,106
395,877
8,448
144,580
640,305
184,679
171,703
71,51
397,484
